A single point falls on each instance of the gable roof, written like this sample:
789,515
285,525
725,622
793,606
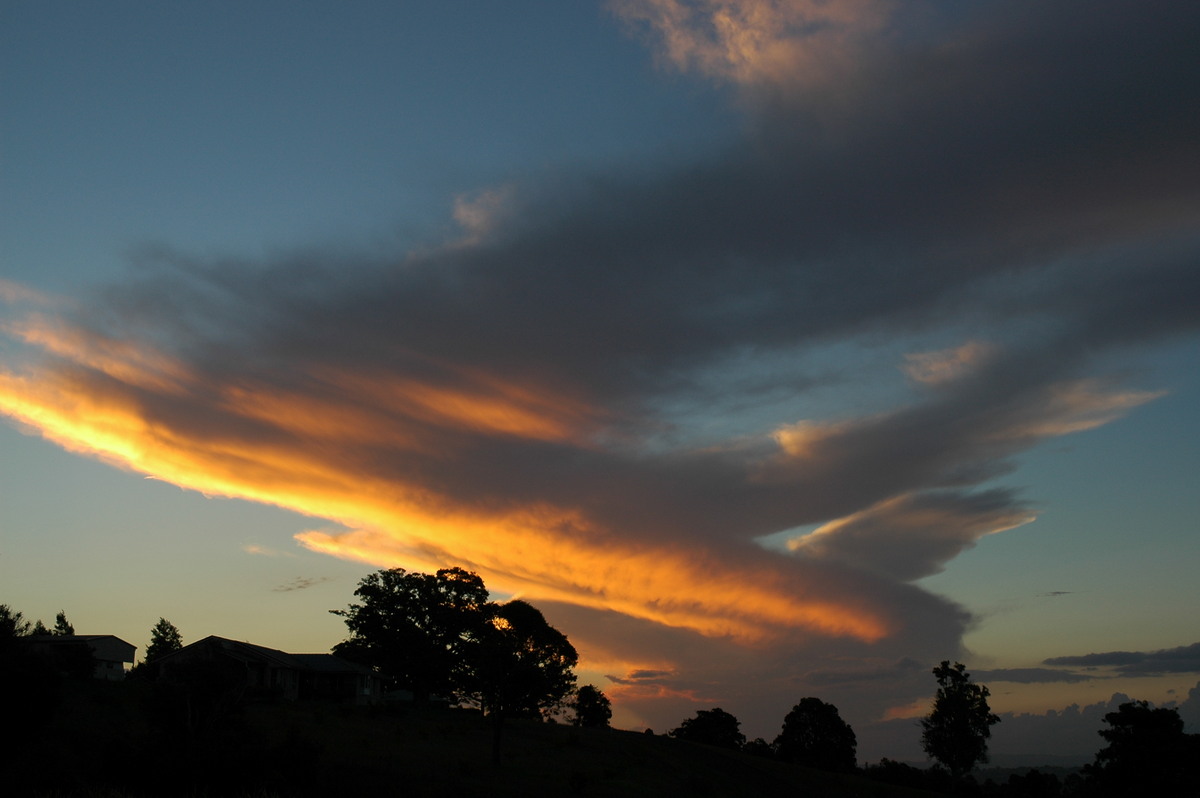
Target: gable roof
325,663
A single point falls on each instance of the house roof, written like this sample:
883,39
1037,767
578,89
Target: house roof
74,639
325,663
108,648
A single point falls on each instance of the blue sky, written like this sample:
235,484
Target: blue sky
773,348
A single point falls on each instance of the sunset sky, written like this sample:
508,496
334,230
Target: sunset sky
773,348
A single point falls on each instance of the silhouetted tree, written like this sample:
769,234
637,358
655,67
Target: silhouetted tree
814,735
164,638
1147,754
411,627
28,683
759,747
712,727
61,625
12,625
514,664
956,731
902,774
1033,784
592,707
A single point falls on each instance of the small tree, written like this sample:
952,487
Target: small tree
711,727
592,708
164,638
956,731
13,624
814,735
61,625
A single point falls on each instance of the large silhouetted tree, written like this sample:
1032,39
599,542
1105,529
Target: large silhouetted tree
514,665
956,731
814,735
1147,754
592,707
412,627
712,727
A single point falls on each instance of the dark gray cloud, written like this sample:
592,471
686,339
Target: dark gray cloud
299,583
1029,180
1184,659
1031,676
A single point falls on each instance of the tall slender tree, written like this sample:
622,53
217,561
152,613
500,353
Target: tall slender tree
956,731
61,625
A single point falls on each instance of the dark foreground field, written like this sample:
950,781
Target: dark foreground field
110,740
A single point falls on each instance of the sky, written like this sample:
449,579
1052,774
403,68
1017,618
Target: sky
774,348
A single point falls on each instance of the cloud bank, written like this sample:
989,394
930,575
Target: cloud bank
599,394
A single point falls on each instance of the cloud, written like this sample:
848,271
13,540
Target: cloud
299,583
1022,176
913,535
1032,676
1184,659
752,42
265,551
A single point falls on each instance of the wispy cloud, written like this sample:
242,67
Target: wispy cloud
300,583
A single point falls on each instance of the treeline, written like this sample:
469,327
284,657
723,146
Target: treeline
1147,753
440,639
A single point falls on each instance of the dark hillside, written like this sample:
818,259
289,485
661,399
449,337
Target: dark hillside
106,740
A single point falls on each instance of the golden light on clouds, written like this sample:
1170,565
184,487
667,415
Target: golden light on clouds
310,452
751,42
381,455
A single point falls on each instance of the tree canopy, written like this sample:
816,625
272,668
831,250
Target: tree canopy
439,635
412,627
814,735
712,727
164,638
515,664
592,707
61,625
956,731
1147,753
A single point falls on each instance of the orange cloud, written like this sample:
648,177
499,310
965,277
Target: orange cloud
1078,406
935,368
309,452
755,42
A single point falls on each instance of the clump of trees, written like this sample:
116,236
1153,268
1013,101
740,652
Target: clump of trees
711,727
439,636
813,735
1148,753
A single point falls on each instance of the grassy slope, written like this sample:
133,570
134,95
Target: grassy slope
100,744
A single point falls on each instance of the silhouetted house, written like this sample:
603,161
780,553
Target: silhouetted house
273,673
109,654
